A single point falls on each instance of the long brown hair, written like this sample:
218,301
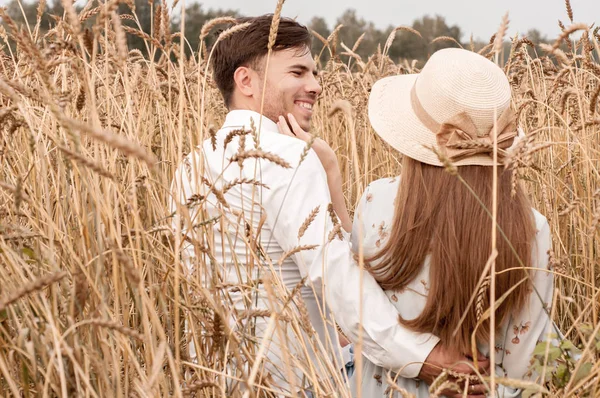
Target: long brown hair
437,215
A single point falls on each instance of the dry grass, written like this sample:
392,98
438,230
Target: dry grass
93,298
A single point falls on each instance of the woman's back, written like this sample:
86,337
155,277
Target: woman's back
517,336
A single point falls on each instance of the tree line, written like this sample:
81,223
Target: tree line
355,33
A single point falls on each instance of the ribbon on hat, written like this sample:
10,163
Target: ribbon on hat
460,138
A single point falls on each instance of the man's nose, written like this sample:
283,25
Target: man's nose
314,86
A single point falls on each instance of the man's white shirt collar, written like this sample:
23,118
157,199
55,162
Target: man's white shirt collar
239,118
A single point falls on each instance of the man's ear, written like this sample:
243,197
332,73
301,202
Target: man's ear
244,79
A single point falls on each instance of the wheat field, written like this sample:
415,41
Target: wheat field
94,299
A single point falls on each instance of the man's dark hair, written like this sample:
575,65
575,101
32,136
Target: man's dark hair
246,47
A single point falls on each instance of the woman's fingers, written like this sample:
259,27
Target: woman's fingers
454,394
472,391
467,365
295,126
283,127
483,362
477,389
296,129
464,368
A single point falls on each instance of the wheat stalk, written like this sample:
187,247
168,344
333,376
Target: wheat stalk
392,36
393,386
260,154
232,134
275,25
209,25
594,100
306,223
446,38
68,216
569,10
566,32
130,271
481,297
231,31
499,37
37,285
112,140
121,40
200,385
240,181
85,162
143,35
293,251
112,325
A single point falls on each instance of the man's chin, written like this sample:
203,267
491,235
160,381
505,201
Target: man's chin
303,119
304,124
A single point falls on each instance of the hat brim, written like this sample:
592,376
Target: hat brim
392,117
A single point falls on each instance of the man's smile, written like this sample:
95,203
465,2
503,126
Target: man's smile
307,107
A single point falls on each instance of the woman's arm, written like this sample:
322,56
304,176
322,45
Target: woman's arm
385,342
330,164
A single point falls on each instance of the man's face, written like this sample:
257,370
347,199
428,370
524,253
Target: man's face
292,86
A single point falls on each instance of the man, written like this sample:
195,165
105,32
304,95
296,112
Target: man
265,196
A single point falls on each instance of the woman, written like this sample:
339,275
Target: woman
427,235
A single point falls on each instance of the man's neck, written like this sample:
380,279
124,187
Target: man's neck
241,116
250,107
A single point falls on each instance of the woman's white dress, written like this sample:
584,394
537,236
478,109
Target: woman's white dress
518,336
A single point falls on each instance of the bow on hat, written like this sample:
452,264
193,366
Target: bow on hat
459,137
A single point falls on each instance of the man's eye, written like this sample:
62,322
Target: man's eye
296,73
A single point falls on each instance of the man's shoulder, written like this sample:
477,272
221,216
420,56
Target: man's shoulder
283,145
267,148
270,142
229,136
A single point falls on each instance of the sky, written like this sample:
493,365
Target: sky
479,17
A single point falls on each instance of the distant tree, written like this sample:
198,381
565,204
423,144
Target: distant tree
54,11
144,12
536,36
407,45
29,11
319,25
195,18
354,27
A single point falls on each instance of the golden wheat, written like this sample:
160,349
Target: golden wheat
98,249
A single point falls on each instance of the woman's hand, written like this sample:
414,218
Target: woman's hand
322,149
330,164
442,358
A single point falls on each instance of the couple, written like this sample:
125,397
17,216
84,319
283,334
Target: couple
424,236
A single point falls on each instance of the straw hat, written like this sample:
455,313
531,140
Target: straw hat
451,106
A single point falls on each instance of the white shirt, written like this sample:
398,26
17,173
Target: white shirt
519,335
279,209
